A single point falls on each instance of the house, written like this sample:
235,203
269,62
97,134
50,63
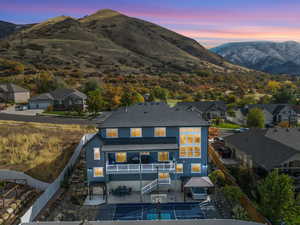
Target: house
148,146
267,149
274,113
208,109
60,99
13,93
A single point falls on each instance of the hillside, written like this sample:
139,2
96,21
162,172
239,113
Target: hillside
270,57
108,42
6,29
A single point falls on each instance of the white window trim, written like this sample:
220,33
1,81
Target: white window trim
136,128
176,167
106,131
196,164
94,169
193,157
98,149
160,128
163,160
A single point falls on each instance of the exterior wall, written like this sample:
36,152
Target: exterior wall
21,97
69,103
39,104
146,132
286,114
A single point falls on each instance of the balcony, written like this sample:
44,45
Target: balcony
140,168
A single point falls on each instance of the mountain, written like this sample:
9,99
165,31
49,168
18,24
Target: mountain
270,57
109,42
6,29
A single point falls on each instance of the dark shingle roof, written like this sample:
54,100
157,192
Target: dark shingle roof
271,108
267,147
59,94
9,87
203,106
152,115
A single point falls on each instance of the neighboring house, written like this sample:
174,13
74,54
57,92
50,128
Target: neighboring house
147,145
267,149
60,99
208,109
274,113
12,93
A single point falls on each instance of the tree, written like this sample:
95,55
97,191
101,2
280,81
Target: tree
160,93
285,95
130,97
91,85
277,198
94,101
233,194
256,118
273,85
217,177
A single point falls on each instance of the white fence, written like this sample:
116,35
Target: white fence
40,203
15,175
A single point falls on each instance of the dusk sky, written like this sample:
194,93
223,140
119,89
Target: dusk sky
211,22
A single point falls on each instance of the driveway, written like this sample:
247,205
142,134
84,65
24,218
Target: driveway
12,110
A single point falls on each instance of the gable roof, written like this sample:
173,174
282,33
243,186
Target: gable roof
271,108
59,94
10,87
152,114
267,147
202,106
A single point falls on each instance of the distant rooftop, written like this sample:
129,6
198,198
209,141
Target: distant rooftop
10,87
152,114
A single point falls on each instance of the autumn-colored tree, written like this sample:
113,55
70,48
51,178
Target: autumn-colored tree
273,85
256,118
94,101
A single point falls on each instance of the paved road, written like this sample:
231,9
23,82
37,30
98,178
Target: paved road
46,119
28,112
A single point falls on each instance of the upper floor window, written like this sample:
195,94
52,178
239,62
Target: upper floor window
190,142
96,153
112,133
98,171
163,156
136,132
160,132
121,157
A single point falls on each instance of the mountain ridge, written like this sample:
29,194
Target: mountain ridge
266,56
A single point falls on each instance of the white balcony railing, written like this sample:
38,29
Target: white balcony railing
139,168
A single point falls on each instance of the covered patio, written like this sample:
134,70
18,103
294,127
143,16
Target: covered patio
198,187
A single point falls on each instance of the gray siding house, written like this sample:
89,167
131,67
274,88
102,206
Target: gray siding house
60,99
208,109
12,93
146,146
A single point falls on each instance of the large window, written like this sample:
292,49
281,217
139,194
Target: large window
179,168
190,142
112,133
160,132
98,171
96,153
121,157
196,168
136,132
163,156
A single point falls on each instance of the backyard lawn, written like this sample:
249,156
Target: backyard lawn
227,125
39,150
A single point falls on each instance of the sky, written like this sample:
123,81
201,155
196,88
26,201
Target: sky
211,22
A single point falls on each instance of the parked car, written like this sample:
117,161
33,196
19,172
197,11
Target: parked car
21,107
241,130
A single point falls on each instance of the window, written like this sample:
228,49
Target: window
136,132
163,156
160,132
96,153
163,175
179,168
190,142
98,171
112,133
121,157
196,168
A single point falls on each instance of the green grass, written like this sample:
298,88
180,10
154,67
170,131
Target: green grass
66,113
227,125
172,102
